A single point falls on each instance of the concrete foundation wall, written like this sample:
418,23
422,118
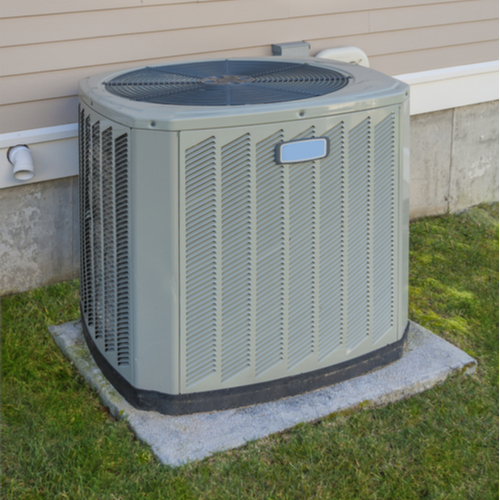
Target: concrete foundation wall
454,159
454,165
39,234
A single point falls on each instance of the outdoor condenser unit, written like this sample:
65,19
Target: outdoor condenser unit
244,228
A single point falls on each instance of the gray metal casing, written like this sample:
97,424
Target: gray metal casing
239,270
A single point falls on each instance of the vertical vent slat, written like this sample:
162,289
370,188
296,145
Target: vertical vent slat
236,258
81,201
201,272
97,257
358,272
121,203
302,216
270,259
109,258
82,186
86,221
383,226
332,235
82,151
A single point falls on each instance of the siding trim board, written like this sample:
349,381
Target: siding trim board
448,88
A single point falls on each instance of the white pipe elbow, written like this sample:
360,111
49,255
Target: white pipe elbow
352,55
22,161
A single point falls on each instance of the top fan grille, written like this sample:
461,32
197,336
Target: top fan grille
227,83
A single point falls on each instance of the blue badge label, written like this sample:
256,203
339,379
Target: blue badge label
302,150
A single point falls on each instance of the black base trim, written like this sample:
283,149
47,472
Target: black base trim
224,399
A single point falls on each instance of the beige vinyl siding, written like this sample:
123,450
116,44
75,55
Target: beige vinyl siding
62,83
38,114
48,46
31,30
25,8
297,8
418,61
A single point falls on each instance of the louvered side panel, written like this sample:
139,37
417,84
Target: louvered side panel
201,261
270,206
104,242
383,226
97,232
109,257
358,288
122,250
236,257
302,269
331,246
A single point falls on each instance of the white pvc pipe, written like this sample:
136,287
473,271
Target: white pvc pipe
21,159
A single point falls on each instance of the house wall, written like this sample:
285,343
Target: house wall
46,47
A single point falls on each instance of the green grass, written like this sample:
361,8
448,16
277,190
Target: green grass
59,441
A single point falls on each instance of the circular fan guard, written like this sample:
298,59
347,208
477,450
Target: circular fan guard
227,83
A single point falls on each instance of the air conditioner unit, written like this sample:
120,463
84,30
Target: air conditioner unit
244,228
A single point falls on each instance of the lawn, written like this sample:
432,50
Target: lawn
58,441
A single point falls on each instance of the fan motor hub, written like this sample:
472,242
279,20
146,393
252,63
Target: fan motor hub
227,80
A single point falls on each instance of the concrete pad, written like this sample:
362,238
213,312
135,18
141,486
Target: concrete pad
427,360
